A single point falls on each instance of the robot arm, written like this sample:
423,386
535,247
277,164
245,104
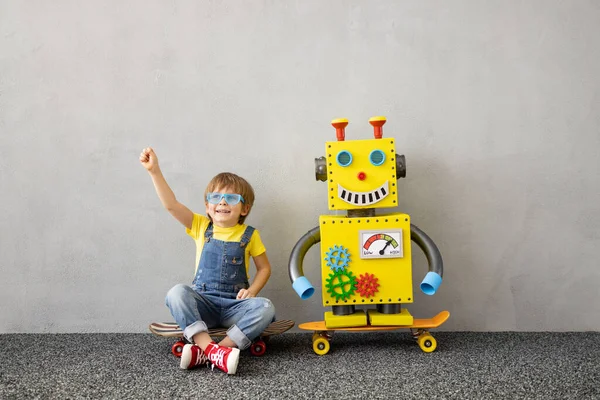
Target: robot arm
433,279
299,282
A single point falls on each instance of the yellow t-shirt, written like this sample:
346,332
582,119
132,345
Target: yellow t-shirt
233,234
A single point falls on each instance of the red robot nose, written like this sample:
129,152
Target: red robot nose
362,176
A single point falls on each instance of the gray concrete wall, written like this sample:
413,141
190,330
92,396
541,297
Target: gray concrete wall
495,104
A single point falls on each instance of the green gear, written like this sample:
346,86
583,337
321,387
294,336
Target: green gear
337,283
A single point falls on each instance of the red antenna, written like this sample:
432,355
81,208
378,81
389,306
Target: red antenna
377,123
339,125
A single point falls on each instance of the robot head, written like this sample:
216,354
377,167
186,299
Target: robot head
361,173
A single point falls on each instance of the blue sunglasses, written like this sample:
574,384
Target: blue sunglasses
230,198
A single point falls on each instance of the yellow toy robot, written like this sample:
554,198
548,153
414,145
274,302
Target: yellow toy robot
365,257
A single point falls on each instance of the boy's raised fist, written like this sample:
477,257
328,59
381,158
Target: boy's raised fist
148,159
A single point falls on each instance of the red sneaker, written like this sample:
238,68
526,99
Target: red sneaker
192,357
224,358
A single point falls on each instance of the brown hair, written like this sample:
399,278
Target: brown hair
237,184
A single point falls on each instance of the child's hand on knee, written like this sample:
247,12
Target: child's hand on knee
245,294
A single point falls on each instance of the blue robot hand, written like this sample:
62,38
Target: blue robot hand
303,287
431,283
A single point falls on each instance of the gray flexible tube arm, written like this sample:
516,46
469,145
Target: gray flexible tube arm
434,258
309,239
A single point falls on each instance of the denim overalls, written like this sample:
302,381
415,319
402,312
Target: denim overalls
211,301
222,266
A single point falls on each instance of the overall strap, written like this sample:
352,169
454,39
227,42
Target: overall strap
246,236
208,233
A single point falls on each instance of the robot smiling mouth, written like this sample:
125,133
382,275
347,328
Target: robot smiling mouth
363,198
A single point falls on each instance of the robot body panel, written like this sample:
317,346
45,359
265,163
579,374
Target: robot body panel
366,260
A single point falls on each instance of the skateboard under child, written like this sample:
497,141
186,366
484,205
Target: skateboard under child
420,331
257,348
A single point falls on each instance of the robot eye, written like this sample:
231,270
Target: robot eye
344,158
377,157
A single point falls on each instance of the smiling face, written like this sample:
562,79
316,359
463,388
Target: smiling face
361,174
225,215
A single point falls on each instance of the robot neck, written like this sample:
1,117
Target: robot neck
361,213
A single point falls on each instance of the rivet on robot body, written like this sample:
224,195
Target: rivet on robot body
365,258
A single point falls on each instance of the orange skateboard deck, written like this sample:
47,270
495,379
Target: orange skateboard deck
420,329
258,347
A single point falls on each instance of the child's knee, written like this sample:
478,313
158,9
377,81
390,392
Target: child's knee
267,309
176,293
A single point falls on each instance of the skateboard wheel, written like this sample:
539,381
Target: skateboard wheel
321,346
258,348
427,343
177,348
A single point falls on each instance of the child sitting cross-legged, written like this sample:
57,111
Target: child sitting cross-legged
220,294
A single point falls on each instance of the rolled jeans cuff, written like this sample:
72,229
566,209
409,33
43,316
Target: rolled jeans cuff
193,329
238,337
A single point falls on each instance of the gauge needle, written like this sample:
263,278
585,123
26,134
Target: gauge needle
384,247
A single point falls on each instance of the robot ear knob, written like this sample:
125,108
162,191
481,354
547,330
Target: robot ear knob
400,166
321,169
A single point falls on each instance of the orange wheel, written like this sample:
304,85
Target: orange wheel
177,348
258,348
